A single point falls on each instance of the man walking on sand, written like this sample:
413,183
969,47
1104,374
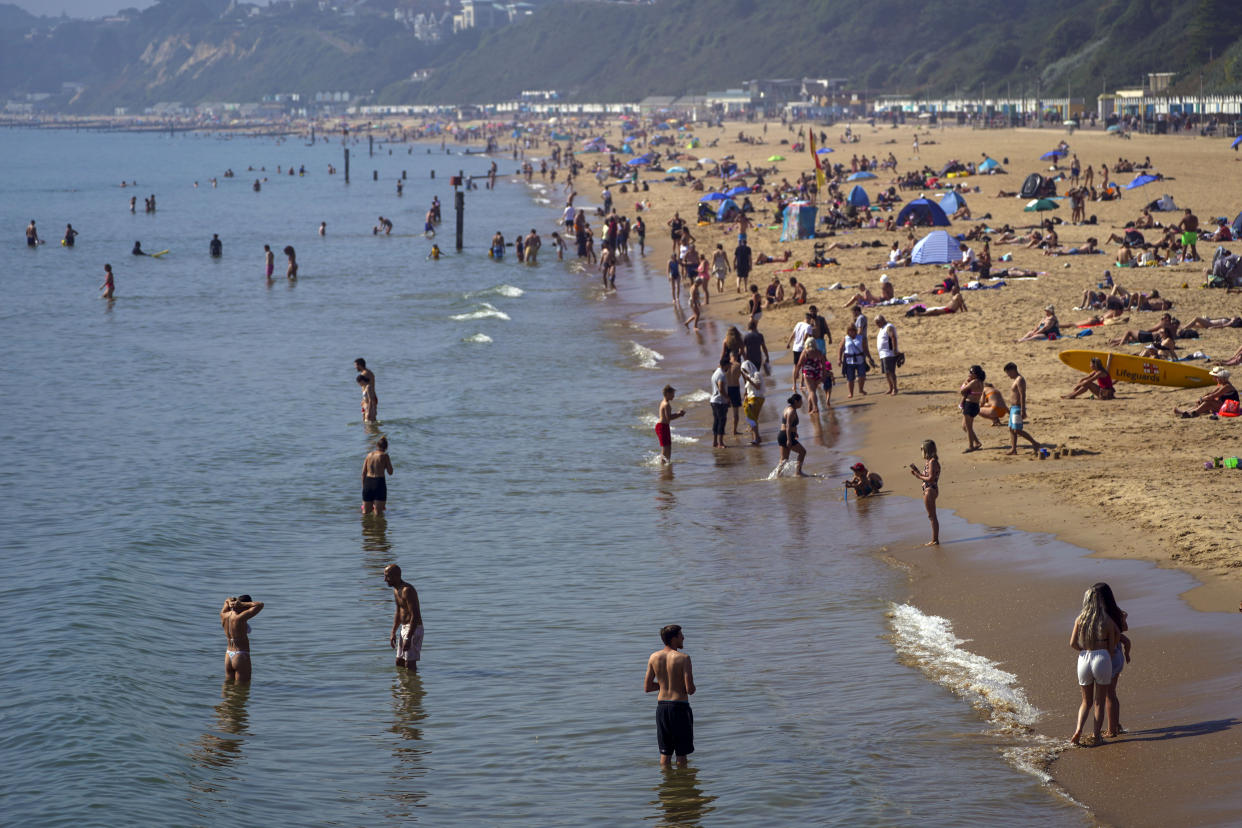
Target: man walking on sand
1017,411
669,671
886,346
407,623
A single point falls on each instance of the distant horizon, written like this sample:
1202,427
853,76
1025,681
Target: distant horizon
79,8
88,8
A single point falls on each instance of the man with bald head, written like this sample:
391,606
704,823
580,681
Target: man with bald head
407,623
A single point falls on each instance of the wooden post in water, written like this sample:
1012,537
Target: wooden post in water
370,146
347,165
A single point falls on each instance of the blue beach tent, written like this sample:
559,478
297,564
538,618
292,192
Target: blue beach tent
924,212
728,209
799,221
1140,180
951,202
937,247
858,197
1237,226
989,164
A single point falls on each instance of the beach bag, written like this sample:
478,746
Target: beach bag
1229,408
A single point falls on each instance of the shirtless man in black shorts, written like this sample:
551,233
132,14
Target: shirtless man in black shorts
669,671
374,486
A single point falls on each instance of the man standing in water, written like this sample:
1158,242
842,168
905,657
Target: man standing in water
269,261
669,672
360,365
233,617
374,486
407,623
32,235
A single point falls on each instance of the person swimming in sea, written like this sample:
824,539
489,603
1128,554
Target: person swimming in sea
138,251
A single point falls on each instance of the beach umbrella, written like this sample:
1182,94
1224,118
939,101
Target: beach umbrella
677,169
1038,205
1140,180
1052,155
737,191
1235,143
1114,128
714,197
776,158
862,176
937,247
823,150
639,161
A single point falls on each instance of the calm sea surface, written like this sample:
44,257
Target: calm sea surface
201,437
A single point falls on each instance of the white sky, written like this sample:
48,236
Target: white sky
80,8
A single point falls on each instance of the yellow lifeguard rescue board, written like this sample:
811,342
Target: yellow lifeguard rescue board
1141,370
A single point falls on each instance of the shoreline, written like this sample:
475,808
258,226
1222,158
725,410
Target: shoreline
1165,687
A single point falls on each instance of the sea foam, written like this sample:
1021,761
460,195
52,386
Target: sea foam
508,291
479,338
647,358
928,643
484,311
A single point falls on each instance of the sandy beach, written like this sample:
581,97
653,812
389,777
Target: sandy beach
1124,478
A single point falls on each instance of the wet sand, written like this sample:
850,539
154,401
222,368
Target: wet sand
1122,492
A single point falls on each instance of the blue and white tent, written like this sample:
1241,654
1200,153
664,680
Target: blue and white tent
937,247
799,221
924,212
989,165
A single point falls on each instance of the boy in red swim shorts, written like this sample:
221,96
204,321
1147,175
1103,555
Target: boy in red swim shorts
663,432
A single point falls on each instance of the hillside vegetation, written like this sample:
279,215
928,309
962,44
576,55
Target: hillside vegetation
196,51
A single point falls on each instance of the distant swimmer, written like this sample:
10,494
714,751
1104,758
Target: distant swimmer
71,236
258,186
498,246
292,270
234,616
374,485
384,226
670,672
663,429
109,286
215,247
429,224
133,204
323,228
370,403
533,243
360,365
407,622
269,261
138,251
435,253
32,235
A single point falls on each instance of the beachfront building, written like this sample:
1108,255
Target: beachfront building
1011,110
1153,108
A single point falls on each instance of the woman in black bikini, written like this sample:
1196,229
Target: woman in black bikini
931,488
972,392
788,438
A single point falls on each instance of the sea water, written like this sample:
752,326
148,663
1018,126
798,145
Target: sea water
201,437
